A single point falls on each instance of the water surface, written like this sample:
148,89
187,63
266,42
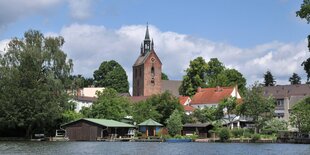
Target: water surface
153,148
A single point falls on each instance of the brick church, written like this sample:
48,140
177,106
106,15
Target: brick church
147,72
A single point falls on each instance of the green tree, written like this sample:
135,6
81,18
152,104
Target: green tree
71,115
194,78
174,123
257,106
228,107
269,79
274,125
164,104
300,117
207,114
33,74
218,75
111,75
109,105
144,110
234,78
215,68
164,76
295,79
304,13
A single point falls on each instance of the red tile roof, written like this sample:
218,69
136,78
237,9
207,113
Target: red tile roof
183,99
188,108
211,95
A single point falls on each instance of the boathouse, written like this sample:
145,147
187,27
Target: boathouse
149,127
89,129
200,129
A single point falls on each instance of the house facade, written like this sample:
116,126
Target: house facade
211,97
286,97
185,102
85,97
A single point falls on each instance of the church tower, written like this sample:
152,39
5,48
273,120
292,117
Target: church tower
147,69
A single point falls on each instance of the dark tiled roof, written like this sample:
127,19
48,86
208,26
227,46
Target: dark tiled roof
282,91
141,59
85,99
135,99
197,125
172,86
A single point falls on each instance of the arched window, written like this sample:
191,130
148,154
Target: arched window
152,72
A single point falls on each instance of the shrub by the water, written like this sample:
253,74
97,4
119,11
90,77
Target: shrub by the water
224,134
256,137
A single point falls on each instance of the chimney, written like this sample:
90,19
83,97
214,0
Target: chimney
236,91
218,88
198,89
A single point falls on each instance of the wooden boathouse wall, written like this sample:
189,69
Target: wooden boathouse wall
83,130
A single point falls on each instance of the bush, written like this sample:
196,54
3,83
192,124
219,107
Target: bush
178,136
224,134
237,132
256,137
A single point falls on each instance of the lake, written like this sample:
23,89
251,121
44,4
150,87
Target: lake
154,148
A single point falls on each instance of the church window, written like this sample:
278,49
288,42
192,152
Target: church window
152,72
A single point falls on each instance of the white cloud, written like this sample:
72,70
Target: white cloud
80,9
89,45
12,10
3,45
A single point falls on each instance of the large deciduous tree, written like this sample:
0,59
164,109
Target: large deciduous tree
300,117
256,106
33,72
295,79
111,75
269,79
194,78
164,104
304,13
109,105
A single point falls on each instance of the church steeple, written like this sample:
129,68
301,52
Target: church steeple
147,40
147,34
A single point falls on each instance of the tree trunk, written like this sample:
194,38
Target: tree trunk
29,132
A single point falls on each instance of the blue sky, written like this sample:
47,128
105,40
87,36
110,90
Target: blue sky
251,36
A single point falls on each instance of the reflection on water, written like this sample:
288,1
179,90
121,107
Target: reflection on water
137,148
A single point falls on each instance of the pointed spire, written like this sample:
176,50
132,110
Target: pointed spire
152,44
141,49
147,35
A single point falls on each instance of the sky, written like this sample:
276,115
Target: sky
250,36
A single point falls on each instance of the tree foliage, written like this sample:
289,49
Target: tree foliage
164,76
207,114
194,78
111,75
295,79
174,123
164,104
33,72
144,110
274,125
256,106
304,13
269,79
228,108
109,105
300,117
211,74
